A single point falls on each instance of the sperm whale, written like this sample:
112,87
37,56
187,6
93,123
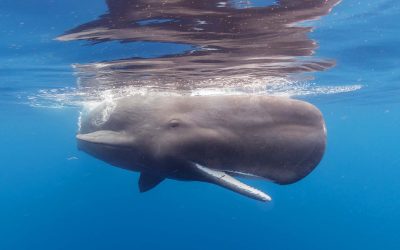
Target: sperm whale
212,139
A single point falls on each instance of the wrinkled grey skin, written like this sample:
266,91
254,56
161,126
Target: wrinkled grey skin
278,139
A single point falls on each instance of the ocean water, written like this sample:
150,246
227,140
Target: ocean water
58,57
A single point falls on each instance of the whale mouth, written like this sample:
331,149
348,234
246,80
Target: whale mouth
227,181
107,138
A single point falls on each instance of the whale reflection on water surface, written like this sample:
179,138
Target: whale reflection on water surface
232,47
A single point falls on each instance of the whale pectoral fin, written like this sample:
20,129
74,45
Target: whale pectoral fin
148,181
223,179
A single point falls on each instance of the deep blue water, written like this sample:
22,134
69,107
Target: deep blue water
56,197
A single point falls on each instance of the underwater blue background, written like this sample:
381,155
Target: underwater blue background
54,197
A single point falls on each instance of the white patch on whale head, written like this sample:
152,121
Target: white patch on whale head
80,121
108,103
104,115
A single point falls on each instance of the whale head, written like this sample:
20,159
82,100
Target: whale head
138,132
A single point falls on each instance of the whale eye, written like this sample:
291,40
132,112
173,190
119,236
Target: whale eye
174,123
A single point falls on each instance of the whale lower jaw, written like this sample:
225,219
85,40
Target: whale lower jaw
148,181
107,137
223,179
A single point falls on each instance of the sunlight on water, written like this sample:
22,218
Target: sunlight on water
215,48
75,97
